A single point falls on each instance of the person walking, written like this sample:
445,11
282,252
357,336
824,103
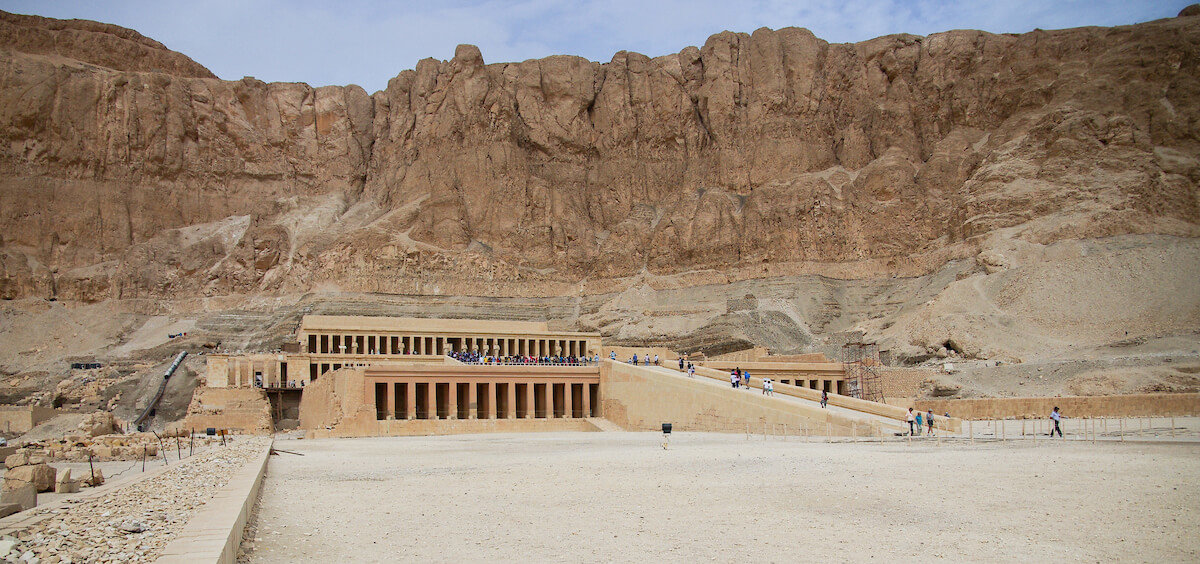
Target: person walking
766,385
681,364
656,360
1056,416
909,417
691,371
746,379
929,422
733,379
634,359
919,421
824,399
612,355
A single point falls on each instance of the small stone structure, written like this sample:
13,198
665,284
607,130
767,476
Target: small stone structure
22,418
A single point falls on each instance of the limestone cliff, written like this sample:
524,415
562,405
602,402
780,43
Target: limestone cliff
127,170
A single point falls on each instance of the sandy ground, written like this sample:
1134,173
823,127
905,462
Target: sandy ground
621,497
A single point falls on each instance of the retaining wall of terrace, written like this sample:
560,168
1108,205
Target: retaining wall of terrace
1140,405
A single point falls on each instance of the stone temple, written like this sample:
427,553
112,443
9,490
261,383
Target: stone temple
369,376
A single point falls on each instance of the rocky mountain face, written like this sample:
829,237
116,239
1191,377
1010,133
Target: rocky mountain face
130,171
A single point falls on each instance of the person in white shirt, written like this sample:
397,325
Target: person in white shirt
911,420
1056,417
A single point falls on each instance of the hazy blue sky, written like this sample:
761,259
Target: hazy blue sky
366,43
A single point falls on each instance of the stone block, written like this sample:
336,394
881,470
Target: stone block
96,479
69,486
41,476
17,459
7,509
24,495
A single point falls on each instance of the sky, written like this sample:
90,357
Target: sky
367,43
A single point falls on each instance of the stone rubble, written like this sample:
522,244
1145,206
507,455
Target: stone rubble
135,522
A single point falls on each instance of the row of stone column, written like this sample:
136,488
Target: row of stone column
827,385
244,372
426,345
415,399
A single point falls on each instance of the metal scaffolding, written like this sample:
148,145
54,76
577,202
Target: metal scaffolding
861,364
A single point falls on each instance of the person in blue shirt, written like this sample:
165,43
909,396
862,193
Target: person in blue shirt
920,422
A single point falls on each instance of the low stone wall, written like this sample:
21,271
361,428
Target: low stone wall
903,382
744,355
214,533
1139,405
22,418
641,399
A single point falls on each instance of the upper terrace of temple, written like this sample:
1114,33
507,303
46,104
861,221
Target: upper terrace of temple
336,334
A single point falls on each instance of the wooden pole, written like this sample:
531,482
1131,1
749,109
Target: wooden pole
179,448
143,458
1121,432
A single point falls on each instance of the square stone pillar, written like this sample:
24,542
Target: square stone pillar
587,400
391,401
410,400
452,400
511,409
473,398
529,403
568,393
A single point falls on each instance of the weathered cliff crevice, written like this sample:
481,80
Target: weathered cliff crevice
130,176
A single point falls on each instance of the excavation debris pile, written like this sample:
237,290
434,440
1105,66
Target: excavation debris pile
134,523
99,437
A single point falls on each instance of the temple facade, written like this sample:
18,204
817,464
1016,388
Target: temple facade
330,342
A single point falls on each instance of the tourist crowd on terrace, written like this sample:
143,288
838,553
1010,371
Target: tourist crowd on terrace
477,358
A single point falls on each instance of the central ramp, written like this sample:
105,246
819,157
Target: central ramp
643,397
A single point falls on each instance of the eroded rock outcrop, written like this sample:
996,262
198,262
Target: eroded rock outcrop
750,153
